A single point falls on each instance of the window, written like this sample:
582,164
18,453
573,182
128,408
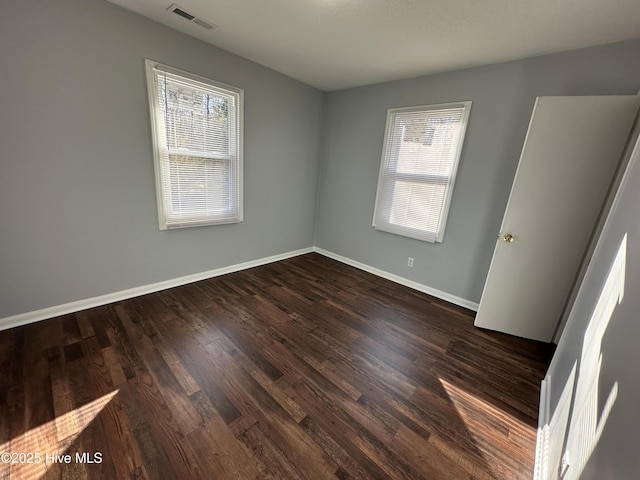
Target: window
197,137
420,156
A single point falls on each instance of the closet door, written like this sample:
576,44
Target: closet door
569,158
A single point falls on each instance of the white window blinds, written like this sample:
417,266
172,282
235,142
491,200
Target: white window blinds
197,132
420,156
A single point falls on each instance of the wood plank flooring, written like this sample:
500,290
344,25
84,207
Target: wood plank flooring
301,369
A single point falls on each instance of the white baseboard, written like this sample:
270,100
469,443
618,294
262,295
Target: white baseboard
71,307
401,280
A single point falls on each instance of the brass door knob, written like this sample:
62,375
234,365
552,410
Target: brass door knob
508,238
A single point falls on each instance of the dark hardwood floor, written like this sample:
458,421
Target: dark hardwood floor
301,369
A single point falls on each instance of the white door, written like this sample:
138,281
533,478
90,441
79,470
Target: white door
569,158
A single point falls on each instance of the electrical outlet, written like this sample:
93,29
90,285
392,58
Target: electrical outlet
410,262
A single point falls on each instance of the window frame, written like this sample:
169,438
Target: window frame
235,167
386,177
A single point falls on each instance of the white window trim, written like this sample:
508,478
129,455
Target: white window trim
432,237
151,66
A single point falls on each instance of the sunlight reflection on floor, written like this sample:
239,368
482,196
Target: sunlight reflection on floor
41,445
493,431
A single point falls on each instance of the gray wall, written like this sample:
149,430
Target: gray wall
616,455
77,195
503,96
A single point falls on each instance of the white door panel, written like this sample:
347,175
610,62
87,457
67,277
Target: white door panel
568,161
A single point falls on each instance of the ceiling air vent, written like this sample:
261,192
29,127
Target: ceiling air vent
178,10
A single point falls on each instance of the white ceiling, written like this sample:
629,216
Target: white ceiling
335,44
